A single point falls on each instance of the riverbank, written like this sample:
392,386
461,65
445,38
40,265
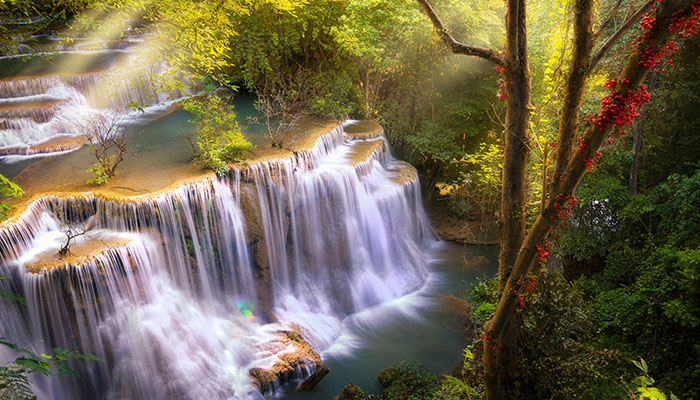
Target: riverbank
452,228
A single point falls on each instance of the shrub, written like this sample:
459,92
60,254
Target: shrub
8,189
219,139
407,381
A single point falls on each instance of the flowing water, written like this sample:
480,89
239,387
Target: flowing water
183,292
45,98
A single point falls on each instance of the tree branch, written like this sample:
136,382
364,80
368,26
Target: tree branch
617,35
455,46
609,19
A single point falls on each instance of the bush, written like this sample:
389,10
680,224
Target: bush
558,355
8,189
219,139
407,381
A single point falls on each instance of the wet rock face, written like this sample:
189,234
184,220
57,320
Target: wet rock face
250,207
295,357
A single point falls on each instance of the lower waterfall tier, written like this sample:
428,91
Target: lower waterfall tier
191,286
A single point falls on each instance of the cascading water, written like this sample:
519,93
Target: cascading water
37,109
202,278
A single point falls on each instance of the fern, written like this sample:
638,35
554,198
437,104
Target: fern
14,384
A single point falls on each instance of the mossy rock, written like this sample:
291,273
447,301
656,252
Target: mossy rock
353,392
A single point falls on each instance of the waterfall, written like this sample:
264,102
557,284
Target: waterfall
36,109
198,281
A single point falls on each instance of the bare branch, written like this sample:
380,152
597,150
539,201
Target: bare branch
611,15
617,35
455,46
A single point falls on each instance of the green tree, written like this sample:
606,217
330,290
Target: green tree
219,139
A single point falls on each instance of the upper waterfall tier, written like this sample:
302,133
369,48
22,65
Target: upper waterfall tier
49,96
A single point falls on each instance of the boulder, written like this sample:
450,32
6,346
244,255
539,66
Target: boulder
301,356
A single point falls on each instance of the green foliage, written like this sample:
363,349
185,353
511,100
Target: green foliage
456,388
14,383
479,186
407,381
100,170
672,121
353,392
645,298
559,355
483,297
643,384
43,14
8,189
594,224
219,140
7,294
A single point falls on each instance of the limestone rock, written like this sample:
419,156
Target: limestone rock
301,357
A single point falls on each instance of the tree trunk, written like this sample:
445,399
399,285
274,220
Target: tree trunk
637,129
575,83
500,363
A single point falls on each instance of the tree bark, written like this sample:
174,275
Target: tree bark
500,364
575,84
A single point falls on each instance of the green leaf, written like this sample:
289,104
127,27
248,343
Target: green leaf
10,295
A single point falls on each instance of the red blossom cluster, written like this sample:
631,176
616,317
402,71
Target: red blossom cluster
563,205
495,347
650,57
543,250
502,91
582,153
620,107
524,286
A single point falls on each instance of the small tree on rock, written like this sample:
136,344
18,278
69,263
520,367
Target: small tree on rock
106,135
